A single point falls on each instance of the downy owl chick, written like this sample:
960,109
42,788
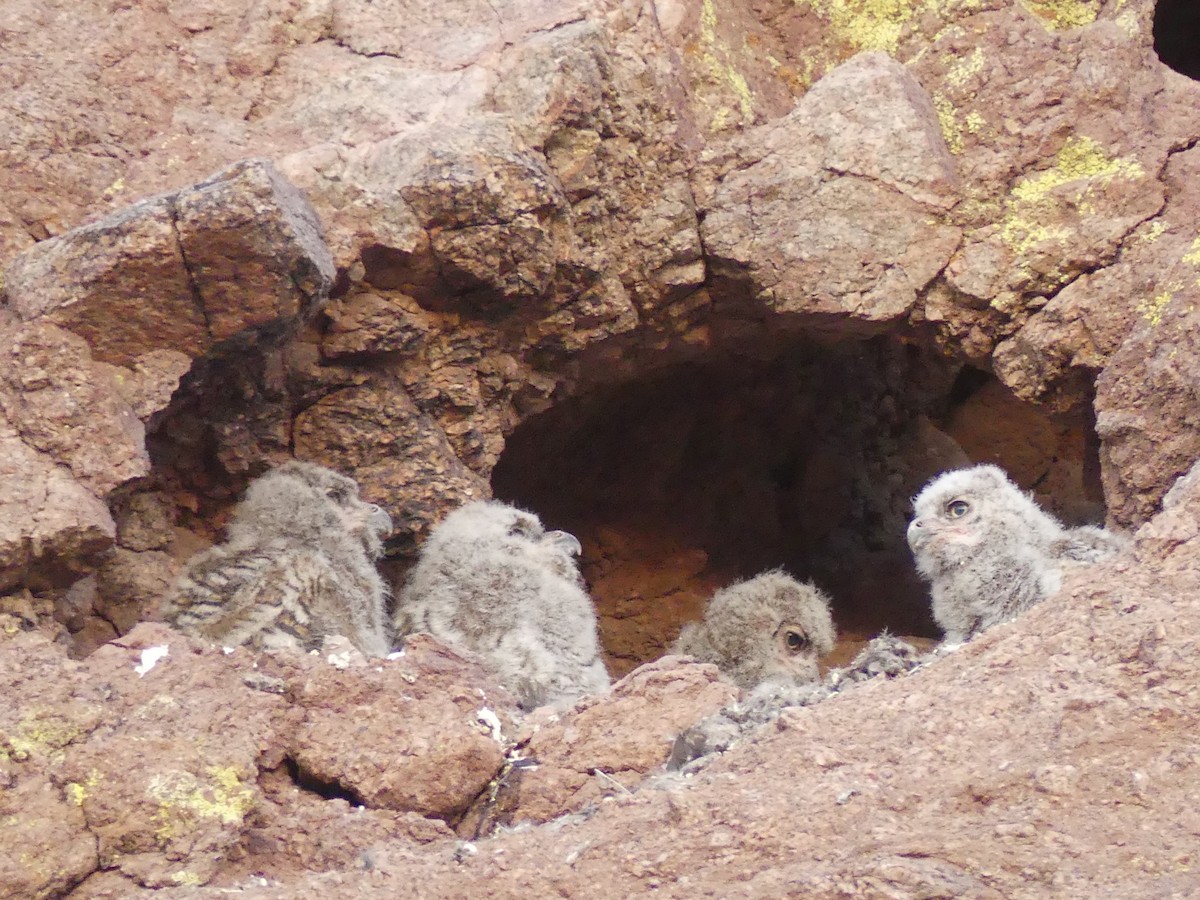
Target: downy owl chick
989,551
298,566
492,580
768,628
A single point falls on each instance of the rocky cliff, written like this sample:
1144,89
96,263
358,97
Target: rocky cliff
716,287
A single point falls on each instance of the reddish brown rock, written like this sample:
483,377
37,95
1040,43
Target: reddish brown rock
1147,399
167,762
605,745
409,736
151,288
239,251
52,529
168,788
400,457
833,208
130,586
65,406
1057,355
1148,408
47,849
299,829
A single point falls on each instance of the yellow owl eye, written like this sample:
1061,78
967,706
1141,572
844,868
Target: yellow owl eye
956,509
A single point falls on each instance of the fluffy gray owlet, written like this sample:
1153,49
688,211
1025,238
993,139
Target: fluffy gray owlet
492,580
989,552
769,628
298,567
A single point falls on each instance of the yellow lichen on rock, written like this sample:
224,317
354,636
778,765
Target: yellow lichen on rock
1153,309
869,24
1060,14
952,130
77,792
1192,257
715,59
1080,157
1153,232
1035,203
962,69
41,732
181,795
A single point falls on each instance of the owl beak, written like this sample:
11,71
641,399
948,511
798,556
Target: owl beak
380,521
917,534
566,541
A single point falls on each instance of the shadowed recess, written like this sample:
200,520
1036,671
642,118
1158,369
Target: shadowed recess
1177,35
704,473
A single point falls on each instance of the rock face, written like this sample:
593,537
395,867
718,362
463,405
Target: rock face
103,322
834,208
420,740
161,760
239,251
604,746
714,285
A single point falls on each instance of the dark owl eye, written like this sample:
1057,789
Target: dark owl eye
796,641
523,528
956,509
336,494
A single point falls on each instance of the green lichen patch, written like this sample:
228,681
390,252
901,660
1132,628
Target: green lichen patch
714,59
853,26
1192,257
77,792
955,128
869,24
1152,233
952,129
962,70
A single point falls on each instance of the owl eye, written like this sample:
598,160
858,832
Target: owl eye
337,494
796,641
523,528
956,509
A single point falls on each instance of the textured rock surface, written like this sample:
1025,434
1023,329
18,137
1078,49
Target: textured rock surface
103,322
167,769
833,209
407,737
239,251
850,236
605,745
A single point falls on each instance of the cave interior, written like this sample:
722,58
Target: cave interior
805,457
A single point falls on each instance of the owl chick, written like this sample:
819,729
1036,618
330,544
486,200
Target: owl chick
298,567
885,656
492,580
769,628
989,552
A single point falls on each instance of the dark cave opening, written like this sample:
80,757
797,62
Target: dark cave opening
1177,35
681,482
329,790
